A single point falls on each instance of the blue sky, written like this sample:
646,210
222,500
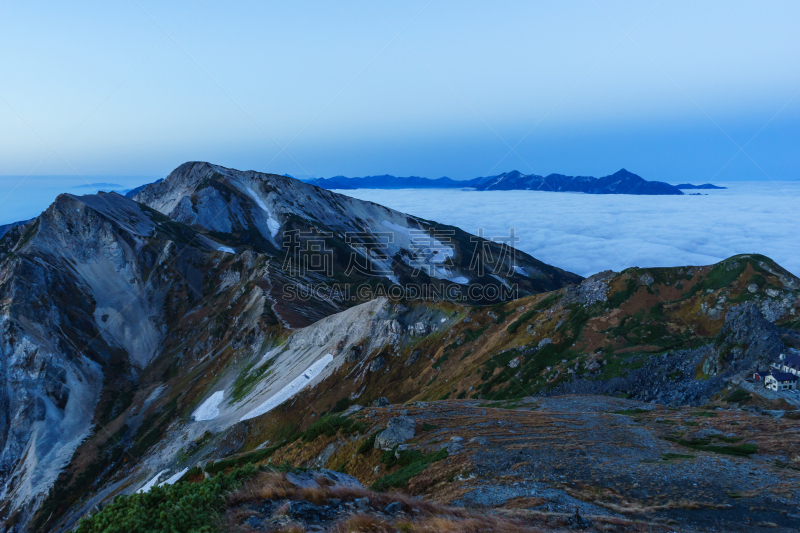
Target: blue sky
669,90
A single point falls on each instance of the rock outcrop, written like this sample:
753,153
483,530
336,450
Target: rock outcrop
747,341
399,430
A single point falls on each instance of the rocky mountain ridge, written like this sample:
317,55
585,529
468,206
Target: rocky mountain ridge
621,182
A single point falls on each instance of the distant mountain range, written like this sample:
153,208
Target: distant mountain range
103,186
621,182
703,186
391,182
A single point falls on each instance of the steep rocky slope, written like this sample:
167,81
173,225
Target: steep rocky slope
602,336
115,314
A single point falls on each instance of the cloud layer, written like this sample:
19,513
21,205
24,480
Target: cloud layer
586,234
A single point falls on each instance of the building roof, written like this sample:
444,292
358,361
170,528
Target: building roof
784,376
792,360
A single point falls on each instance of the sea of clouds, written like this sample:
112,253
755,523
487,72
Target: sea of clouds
586,233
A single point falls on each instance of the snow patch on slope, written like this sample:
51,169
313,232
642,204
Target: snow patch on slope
226,249
428,250
272,224
295,386
173,478
150,484
209,409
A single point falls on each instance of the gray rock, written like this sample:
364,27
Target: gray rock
400,429
362,503
746,341
543,342
393,508
420,329
413,358
306,511
591,290
352,409
380,402
377,364
353,354
254,522
752,288
773,310
454,448
316,479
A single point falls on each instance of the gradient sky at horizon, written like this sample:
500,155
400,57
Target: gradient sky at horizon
668,90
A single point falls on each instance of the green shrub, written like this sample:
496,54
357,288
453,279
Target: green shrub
527,315
330,425
368,443
704,444
670,456
629,412
412,463
182,507
738,396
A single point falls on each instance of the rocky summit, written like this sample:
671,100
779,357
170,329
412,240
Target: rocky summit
236,351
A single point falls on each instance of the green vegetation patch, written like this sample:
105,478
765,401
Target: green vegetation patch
723,275
705,445
331,425
328,425
248,379
367,444
670,456
738,396
525,317
411,462
620,297
182,507
246,459
630,412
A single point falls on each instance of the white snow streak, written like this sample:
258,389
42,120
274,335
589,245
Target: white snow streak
433,250
272,224
150,484
226,249
209,409
291,389
173,478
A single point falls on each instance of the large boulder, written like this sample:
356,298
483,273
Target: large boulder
399,430
747,341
